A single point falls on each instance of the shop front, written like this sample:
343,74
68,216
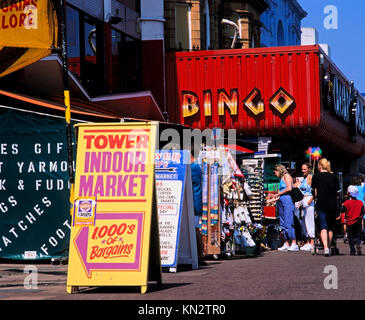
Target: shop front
292,97
35,219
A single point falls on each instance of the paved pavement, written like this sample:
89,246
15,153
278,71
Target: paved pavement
271,276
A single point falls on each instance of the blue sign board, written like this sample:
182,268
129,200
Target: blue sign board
172,172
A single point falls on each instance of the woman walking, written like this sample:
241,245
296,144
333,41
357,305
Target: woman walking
308,207
326,188
286,208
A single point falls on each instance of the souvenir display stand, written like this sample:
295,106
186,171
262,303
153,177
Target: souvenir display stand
236,218
210,222
254,171
234,203
259,171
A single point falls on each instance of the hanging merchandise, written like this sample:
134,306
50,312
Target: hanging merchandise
233,166
258,232
247,189
258,171
204,219
241,215
227,232
237,217
253,169
246,215
243,241
247,235
214,194
229,197
214,211
210,226
236,194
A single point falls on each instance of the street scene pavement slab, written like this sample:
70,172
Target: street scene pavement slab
273,275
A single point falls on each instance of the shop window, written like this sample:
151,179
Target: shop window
117,43
84,37
126,74
183,27
90,42
88,57
294,36
253,42
132,4
207,25
89,67
73,40
280,34
132,64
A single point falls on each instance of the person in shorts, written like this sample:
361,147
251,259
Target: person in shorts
326,188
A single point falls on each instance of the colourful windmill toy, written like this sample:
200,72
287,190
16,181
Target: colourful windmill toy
316,154
308,153
313,153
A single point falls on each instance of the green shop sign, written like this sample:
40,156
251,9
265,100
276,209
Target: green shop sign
34,189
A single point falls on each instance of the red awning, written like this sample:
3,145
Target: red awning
236,148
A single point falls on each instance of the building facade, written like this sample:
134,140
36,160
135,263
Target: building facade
310,37
105,82
212,24
282,23
192,25
303,100
105,59
104,44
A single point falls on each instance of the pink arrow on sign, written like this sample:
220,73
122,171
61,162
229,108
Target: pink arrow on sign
81,243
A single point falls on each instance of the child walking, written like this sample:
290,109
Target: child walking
354,212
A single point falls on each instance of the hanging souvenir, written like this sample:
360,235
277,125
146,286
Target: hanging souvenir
214,194
204,222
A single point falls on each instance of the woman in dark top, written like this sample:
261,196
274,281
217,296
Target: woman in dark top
326,188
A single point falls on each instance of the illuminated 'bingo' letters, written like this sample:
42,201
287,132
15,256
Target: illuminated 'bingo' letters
280,101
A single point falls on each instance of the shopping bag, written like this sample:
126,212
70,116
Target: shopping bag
296,194
247,189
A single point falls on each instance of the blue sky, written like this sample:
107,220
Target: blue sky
347,42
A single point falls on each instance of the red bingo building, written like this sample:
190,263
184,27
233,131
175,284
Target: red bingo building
295,95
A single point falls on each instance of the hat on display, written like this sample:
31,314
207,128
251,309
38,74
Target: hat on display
353,191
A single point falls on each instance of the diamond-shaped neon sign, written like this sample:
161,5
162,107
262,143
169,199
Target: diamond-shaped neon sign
281,100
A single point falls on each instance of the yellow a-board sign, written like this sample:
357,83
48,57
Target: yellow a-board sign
114,233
